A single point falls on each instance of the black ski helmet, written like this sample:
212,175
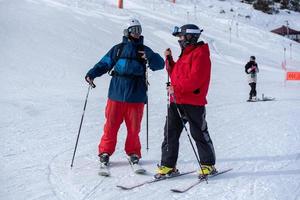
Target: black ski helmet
191,33
252,57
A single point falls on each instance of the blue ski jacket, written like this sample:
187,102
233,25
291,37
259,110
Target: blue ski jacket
128,82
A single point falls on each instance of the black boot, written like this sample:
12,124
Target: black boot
250,97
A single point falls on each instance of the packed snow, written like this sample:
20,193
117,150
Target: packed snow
47,46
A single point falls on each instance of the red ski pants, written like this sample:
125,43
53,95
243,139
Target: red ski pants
115,113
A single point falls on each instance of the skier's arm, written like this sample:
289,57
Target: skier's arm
103,66
155,61
247,68
253,69
198,76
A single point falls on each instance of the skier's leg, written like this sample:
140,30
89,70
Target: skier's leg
133,119
254,89
251,91
199,131
114,118
170,145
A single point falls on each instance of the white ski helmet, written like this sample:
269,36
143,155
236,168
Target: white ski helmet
133,22
133,26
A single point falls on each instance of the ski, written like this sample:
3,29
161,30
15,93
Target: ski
258,100
262,99
182,190
153,181
104,170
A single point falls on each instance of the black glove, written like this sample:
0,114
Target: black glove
142,57
90,81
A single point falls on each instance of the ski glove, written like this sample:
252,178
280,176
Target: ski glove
90,81
142,57
168,53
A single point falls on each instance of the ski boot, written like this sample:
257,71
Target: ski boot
133,159
104,159
104,165
206,170
254,98
165,172
250,98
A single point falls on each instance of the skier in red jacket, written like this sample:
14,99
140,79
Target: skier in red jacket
190,77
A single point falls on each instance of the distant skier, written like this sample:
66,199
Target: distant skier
126,63
190,77
251,69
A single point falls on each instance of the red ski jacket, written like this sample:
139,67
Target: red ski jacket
190,75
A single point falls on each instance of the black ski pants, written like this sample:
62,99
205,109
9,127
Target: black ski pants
253,90
195,115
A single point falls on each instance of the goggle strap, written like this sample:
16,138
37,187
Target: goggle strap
178,30
193,31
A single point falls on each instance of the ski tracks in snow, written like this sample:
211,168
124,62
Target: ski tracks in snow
55,181
65,189
78,185
93,191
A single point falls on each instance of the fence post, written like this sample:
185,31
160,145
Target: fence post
120,4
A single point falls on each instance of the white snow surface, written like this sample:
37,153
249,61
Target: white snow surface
47,46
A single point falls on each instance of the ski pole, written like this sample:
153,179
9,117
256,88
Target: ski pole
168,60
168,98
188,134
147,107
167,117
89,88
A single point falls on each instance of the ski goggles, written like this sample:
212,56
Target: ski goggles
176,31
135,30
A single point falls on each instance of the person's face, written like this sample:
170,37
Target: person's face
181,37
135,31
135,35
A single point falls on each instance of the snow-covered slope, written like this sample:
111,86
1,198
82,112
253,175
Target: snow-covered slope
46,48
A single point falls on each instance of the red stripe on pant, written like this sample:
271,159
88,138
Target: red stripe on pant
116,112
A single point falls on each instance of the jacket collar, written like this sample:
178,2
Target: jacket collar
191,47
138,42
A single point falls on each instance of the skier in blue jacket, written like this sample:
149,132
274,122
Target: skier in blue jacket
126,63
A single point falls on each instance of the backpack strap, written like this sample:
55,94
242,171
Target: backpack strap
120,48
118,54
